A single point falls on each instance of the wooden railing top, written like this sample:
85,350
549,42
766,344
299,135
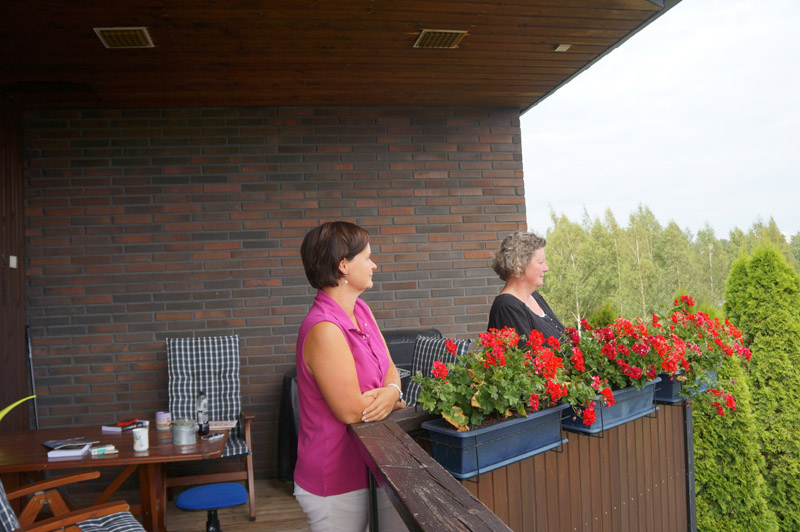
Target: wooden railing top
426,496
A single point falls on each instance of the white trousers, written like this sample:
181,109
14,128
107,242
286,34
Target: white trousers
348,512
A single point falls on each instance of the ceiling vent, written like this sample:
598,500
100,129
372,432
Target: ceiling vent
439,38
135,37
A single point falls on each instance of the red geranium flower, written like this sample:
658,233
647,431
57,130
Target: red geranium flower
608,396
577,359
439,369
451,346
589,415
534,401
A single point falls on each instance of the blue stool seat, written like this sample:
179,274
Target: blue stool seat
212,497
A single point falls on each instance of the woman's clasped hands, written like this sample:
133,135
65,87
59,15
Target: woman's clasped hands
384,402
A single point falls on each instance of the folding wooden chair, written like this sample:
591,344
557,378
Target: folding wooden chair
106,517
211,365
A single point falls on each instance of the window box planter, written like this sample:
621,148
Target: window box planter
629,404
474,452
668,390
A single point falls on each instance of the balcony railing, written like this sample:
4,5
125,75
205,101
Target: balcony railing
426,496
631,478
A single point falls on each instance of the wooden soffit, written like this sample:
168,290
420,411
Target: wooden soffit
305,52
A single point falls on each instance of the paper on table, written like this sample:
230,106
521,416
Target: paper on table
64,453
221,425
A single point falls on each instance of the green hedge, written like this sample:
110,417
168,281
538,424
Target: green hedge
762,299
731,492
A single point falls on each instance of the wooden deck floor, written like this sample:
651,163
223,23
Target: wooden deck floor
276,509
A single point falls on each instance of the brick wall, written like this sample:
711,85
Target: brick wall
145,224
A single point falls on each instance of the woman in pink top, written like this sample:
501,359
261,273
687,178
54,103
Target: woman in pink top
344,375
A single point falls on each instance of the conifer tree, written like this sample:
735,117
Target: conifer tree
763,301
731,492
763,233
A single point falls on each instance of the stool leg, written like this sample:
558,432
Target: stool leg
212,524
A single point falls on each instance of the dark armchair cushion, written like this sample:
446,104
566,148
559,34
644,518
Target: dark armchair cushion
401,346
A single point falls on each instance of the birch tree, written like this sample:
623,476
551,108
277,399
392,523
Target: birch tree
574,286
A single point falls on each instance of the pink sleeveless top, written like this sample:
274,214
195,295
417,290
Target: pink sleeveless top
328,458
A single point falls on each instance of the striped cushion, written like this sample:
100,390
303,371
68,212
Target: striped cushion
8,519
118,522
426,351
210,364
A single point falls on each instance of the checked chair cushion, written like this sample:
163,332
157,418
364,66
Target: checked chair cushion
119,522
8,519
210,364
426,351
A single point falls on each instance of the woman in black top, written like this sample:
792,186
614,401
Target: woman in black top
520,262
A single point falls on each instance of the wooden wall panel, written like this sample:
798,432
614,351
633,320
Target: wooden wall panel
13,360
631,479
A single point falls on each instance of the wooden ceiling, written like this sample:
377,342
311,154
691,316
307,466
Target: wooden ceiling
305,52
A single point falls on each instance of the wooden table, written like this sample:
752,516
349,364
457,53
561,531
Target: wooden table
22,451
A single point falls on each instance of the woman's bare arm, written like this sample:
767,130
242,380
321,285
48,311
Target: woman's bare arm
329,359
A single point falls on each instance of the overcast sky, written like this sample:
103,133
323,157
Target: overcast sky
696,117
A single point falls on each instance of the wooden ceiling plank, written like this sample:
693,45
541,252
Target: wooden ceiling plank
249,50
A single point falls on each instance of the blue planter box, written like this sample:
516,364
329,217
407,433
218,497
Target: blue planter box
474,452
629,404
668,390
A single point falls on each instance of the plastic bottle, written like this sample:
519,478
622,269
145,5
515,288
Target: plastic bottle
202,413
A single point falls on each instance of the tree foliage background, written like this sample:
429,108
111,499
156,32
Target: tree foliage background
638,268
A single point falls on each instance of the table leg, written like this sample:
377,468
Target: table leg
153,495
114,486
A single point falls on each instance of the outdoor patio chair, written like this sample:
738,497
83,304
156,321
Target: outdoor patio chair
106,517
211,365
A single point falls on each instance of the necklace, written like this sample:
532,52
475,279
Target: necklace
534,306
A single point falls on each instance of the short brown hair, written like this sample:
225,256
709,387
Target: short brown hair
325,246
515,254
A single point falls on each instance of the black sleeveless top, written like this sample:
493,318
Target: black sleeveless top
508,311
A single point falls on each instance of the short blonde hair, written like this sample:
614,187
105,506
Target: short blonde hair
515,253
